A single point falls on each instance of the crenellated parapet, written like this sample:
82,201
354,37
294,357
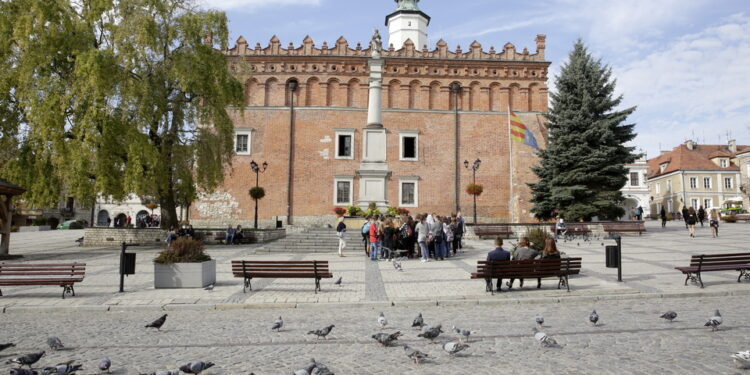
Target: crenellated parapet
341,49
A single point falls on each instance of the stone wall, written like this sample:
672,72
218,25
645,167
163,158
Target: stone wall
114,236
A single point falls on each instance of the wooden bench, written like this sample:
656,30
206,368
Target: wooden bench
61,274
624,227
301,269
717,262
527,269
494,230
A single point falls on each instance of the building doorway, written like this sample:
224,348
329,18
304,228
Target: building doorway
102,218
121,221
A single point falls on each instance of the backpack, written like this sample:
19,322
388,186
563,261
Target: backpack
366,228
403,233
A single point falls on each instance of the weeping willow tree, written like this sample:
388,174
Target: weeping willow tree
113,98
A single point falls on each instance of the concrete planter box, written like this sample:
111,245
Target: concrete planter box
184,275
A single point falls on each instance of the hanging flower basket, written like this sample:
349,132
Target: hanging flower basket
340,211
151,206
403,211
257,192
474,189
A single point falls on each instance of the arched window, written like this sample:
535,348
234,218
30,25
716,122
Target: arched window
102,218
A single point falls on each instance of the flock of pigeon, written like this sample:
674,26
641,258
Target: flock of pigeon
313,367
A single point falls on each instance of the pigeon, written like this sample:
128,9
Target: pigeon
338,282
543,339
418,321
164,372
714,322
277,324
382,322
158,322
320,369
463,332
669,315
594,317
539,319
209,288
307,370
54,343
386,339
431,332
454,347
22,371
62,369
6,346
397,265
104,364
323,332
415,355
27,360
196,367
742,359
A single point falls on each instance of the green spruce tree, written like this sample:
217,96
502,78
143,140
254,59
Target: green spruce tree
583,168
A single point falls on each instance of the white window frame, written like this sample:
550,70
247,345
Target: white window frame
669,186
693,182
670,206
637,177
723,163
401,181
336,180
658,187
662,167
708,203
339,132
730,183
412,134
249,134
695,202
707,185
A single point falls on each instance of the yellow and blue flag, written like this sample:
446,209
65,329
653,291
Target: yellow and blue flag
520,133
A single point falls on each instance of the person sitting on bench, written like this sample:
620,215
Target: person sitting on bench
499,254
561,228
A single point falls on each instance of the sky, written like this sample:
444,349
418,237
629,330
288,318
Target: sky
685,64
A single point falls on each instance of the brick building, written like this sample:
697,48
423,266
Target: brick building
347,125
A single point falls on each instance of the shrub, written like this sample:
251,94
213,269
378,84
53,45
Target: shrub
403,211
14,228
536,237
372,212
183,250
339,211
729,219
474,189
392,211
39,221
354,211
669,217
257,192
53,222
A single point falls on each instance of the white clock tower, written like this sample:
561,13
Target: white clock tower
407,22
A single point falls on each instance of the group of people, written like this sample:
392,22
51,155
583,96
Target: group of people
429,236
147,221
185,231
524,251
693,217
234,235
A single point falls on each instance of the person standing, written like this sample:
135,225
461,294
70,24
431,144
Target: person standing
366,234
461,228
390,234
341,233
714,223
421,230
701,215
639,213
130,219
690,219
685,214
373,239
499,254
230,235
663,215
438,237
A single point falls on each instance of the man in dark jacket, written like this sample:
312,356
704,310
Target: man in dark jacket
498,254
685,215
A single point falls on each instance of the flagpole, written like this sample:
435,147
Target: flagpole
510,167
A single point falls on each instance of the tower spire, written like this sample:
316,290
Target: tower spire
407,22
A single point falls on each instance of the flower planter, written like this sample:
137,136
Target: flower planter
184,275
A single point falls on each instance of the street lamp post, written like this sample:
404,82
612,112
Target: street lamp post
455,88
474,168
293,85
258,170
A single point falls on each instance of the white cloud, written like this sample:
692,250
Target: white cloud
694,87
251,5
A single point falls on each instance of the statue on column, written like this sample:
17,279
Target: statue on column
377,44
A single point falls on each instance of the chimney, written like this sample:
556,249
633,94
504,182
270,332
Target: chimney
690,144
732,146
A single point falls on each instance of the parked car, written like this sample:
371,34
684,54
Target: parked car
71,224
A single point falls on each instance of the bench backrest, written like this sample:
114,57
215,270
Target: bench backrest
42,269
625,225
492,229
535,267
572,227
719,259
313,267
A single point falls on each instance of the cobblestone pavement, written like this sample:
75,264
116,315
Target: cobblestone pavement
630,339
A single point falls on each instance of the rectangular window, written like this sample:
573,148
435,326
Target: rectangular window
343,192
669,186
344,149
727,182
707,203
695,203
344,143
242,143
693,182
634,179
670,206
723,163
409,144
658,187
407,193
707,182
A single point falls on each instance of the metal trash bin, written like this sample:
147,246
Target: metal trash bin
127,266
613,255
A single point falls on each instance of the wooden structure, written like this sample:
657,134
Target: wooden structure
527,269
303,269
61,274
7,192
739,262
